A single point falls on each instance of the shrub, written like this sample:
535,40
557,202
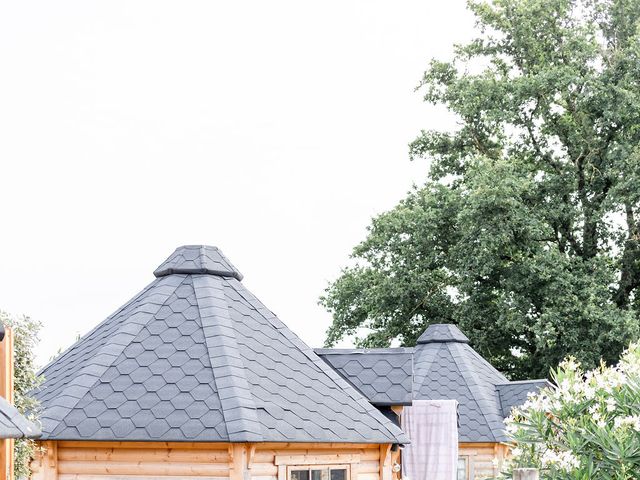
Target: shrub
25,336
585,427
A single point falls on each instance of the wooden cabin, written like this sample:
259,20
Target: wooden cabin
195,378
444,367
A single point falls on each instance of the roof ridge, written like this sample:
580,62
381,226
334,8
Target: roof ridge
483,361
100,324
519,382
500,399
345,351
90,374
421,366
472,382
236,399
351,391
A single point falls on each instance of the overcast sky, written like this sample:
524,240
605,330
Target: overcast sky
272,129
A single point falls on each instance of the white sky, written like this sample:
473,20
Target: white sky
274,130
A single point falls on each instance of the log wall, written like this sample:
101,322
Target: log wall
485,459
67,460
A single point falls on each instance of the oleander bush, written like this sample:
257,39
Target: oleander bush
587,426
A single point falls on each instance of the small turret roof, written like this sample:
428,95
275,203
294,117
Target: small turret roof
190,259
447,368
443,332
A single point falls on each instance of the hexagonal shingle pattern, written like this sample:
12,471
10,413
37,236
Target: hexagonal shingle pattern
514,394
198,259
13,424
447,368
196,357
383,375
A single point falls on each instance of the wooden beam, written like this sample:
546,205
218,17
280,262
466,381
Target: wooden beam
250,455
354,471
52,454
48,461
333,459
177,445
282,472
397,409
143,455
218,445
308,445
385,457
385,462
6,391
142,468
75,476
237,461
476,445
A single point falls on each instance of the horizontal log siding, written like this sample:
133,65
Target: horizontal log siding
264,461
485,458
197,461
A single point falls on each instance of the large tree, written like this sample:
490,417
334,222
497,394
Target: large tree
526,232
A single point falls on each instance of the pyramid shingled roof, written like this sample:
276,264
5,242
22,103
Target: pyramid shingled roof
196,357
446,367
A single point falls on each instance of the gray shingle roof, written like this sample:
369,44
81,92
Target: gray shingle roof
13,424
198,259
446,367
442,332
383,375
514,394
196,357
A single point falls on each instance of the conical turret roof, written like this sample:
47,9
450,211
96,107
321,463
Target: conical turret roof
196,357
442,333
447,368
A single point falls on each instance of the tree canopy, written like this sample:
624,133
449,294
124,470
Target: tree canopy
526,231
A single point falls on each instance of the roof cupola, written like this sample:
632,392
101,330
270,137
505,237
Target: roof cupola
198,259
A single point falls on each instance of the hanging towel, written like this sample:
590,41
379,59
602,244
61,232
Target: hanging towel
432,427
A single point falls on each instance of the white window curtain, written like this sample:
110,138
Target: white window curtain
432,427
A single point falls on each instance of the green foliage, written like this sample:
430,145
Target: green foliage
25,331
588,427
526,232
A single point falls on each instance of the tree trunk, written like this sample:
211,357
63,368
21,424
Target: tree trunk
630,268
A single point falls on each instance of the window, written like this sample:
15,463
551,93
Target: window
318,472
299,475
463,468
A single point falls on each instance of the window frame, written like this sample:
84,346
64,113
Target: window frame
320,466
469,466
